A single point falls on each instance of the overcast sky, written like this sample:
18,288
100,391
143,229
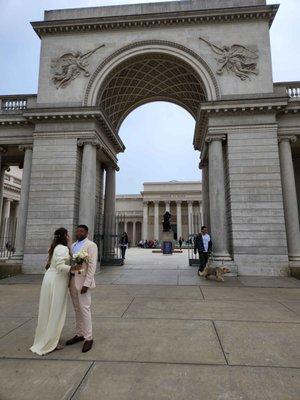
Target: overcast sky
158,136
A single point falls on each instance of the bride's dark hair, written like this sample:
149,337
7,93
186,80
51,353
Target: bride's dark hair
60,237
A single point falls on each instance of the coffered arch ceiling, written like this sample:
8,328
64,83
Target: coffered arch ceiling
149,77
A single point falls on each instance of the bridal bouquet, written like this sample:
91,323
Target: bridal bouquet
80,258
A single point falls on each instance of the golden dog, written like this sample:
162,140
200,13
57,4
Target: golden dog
218,272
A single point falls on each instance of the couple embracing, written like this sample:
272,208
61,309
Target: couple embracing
63,273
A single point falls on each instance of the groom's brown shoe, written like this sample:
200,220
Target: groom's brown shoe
88,344
74,340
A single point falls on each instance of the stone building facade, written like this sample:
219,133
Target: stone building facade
141,215
10,197
212,58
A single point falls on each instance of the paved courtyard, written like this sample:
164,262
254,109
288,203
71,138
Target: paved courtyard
160,333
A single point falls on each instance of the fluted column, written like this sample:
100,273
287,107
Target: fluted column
289,193
190,217
179,219
3,168
23,204
6,221
110,210
145,220
133,233
156,220
200,213
217,197
167,204
205,193
88,184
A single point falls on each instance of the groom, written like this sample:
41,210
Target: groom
81,284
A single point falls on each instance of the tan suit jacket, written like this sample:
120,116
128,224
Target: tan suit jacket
86,277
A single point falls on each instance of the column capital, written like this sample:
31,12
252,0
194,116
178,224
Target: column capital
3,150
24,147
156,202
190,202
111,167
178,202
92,141
287,138
5,168
218,138
145,203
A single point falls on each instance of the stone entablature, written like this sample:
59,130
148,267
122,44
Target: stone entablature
152,16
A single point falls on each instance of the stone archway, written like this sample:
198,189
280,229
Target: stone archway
144,72
184,58
93,72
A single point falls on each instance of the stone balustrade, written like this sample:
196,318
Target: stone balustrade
17,102
292,89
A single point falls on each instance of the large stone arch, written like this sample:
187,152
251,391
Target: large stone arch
187,78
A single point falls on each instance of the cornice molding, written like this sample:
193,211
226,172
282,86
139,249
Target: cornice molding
155,20
78,114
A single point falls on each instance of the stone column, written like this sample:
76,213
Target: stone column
23,204
3,168
110,210
88,183
205,193
190,217
134,233
179,219
167,203
290,202
145,220
217,197
125,226
200,213
6,221
156,220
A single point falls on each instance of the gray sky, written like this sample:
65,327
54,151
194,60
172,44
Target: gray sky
158,136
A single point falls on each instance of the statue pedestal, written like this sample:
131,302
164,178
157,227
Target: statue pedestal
167,245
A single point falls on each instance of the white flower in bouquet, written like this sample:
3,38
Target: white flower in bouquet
80,258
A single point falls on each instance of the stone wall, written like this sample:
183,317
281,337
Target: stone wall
53,198
258,226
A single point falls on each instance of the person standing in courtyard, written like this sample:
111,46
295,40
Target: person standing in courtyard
180,242
53,297
202,246
123,244
81,283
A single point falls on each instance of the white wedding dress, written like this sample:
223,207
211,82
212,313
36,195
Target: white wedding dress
53,302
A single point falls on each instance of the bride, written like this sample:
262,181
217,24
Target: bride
53,297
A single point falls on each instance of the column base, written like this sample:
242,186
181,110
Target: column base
294,258
16,258
221,257
295,271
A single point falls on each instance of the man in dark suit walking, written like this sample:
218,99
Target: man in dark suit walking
202,245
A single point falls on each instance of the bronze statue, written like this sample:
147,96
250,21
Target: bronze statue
166,222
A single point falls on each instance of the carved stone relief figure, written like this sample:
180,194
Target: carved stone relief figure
68,66
236,59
